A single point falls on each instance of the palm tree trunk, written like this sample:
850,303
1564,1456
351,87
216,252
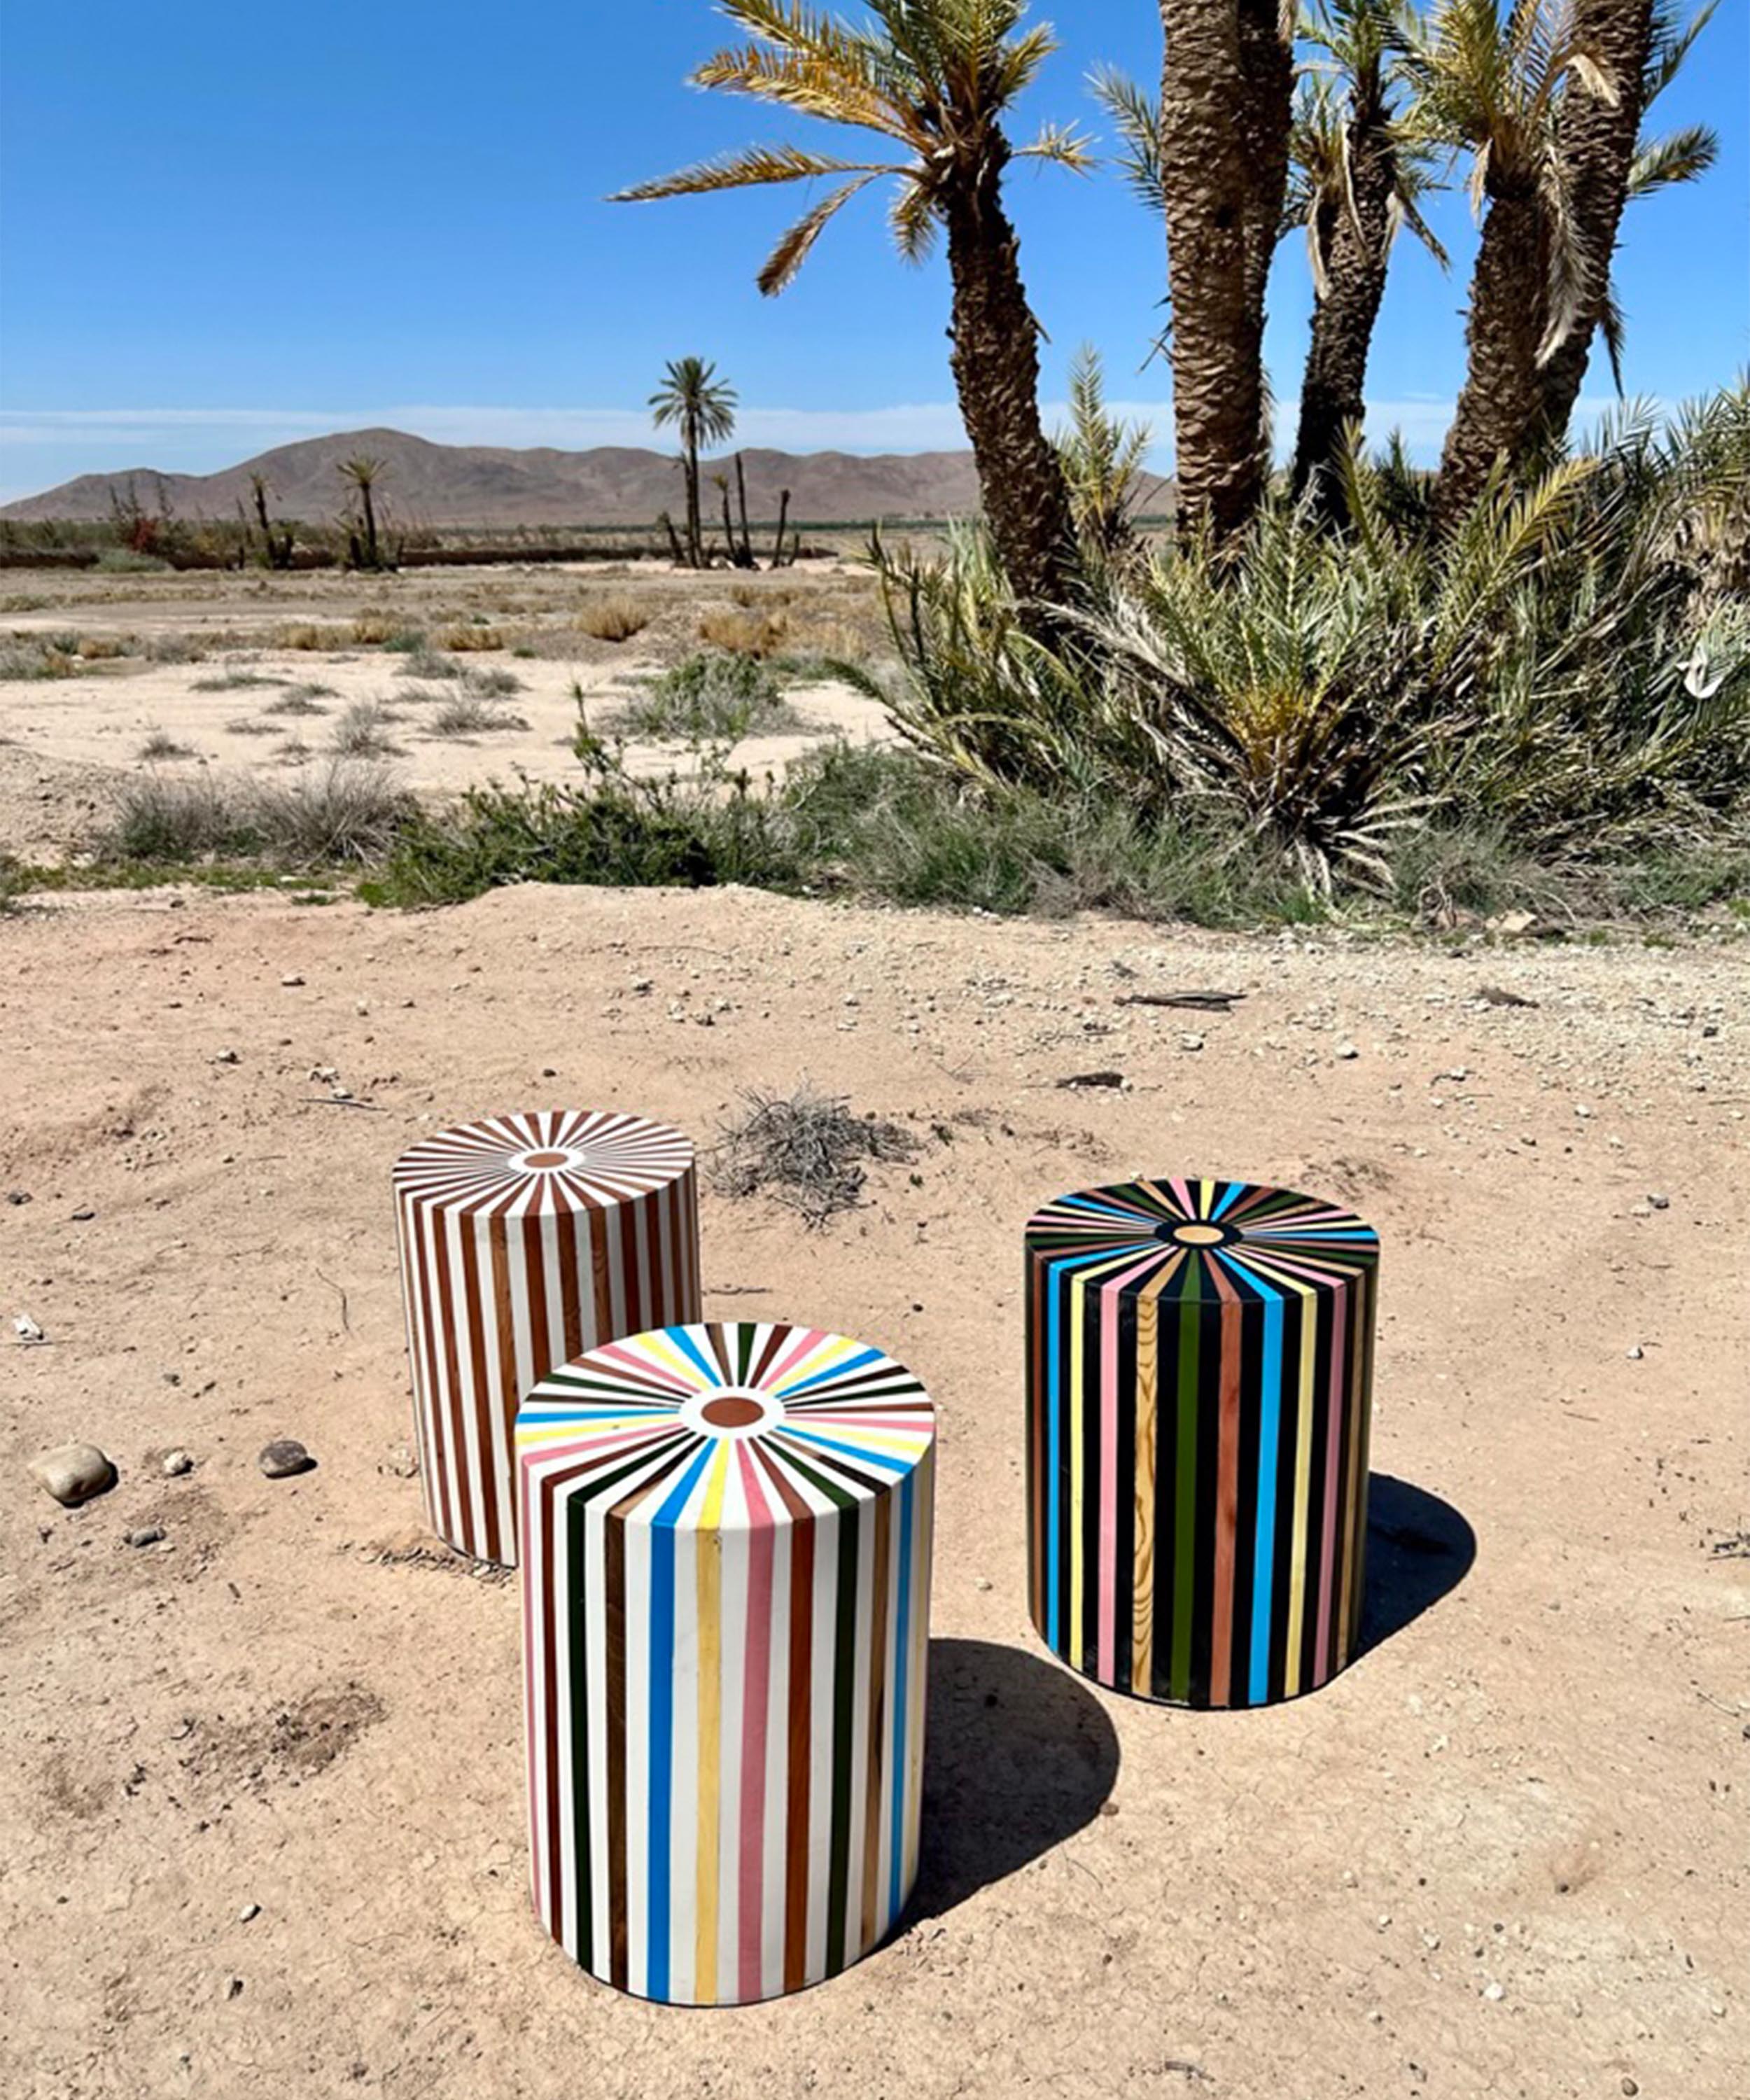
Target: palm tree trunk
995,360
1225,108
1498,406
370,524
1356,246
1598,143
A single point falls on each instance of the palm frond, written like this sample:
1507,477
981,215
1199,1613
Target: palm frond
1136,115
792,250
1063,144
749,167
1684,155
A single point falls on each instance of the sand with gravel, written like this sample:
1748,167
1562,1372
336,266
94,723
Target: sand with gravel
1504,1855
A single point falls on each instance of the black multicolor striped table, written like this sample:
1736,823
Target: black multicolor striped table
526,1239
1199,1378
726,1576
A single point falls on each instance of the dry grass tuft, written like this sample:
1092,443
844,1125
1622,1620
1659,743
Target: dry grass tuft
162,744
470,639
306,634
363,730
806,1150
462,714
744,634
616,618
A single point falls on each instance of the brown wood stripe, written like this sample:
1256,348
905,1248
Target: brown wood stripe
880,1604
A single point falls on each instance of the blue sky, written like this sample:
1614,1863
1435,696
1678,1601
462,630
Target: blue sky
222,228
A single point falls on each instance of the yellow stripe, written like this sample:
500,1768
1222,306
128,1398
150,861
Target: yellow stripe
659,1345
1142,1601
572,1432
1206,1200
820,1358
710,1588
1297,1595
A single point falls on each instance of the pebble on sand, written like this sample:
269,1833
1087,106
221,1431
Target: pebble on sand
176,1464
73,1473
146,1534
282,1458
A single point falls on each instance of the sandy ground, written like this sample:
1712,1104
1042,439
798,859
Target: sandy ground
215,708
1505,1854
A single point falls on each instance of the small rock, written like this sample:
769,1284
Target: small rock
1093,1080
282,1458
1582,1111
1628,2086
1191,1042
248,1910
983,1582
1659,1202
26,1329
83,1217
401,1462
176,1464
146,1534
73,1473
1636,1353
17,1196
1511,923
1347,1051
550,1072
1494,1992
291,980
226,1057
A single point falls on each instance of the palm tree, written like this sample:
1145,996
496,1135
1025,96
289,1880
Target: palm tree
1495,86
1643,43
1358,172
1226,88
933,79
362,472
702,409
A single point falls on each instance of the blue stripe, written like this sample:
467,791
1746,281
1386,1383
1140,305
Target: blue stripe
1228,1201
850,1450
683,1340
1269,1434
661,1717
825,1378
898,1777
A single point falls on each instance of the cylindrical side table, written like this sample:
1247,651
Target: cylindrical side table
526,1239
1199,1386
725,1583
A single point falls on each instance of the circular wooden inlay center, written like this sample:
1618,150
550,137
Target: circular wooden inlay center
547,1159
732,1414
1199,1235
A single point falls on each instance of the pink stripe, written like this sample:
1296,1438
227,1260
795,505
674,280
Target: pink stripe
649,1373
1321,1659
1182,1190
755,1700
811,1340
1108,1480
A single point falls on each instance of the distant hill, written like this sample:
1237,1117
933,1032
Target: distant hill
491,485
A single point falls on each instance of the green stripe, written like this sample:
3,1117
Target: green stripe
1184,1526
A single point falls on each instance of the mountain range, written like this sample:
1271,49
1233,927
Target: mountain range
423,483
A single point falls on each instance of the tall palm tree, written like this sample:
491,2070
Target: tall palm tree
1358,172
703,409
1643,42
1226,88
361,474
1494,84
933,79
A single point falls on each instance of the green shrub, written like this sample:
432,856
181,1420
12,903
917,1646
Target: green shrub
710,697
345,813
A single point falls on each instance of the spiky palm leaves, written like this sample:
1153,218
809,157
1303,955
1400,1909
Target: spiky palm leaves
701,408
933,80
1572,664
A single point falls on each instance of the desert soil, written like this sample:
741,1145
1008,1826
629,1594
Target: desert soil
186,674
1504,1855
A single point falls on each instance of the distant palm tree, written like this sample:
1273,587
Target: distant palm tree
702,409
1358,172
1497,84
1643,42
362,472
933,79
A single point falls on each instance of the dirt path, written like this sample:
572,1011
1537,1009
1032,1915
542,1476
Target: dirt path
1504,1855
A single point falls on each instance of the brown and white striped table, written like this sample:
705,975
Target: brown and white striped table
526,1239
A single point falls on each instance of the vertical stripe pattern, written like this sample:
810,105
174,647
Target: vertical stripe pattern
1199,1389
525,1240
726,1534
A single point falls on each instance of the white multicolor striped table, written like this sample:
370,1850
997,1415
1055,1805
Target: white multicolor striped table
526,1239
726,1574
